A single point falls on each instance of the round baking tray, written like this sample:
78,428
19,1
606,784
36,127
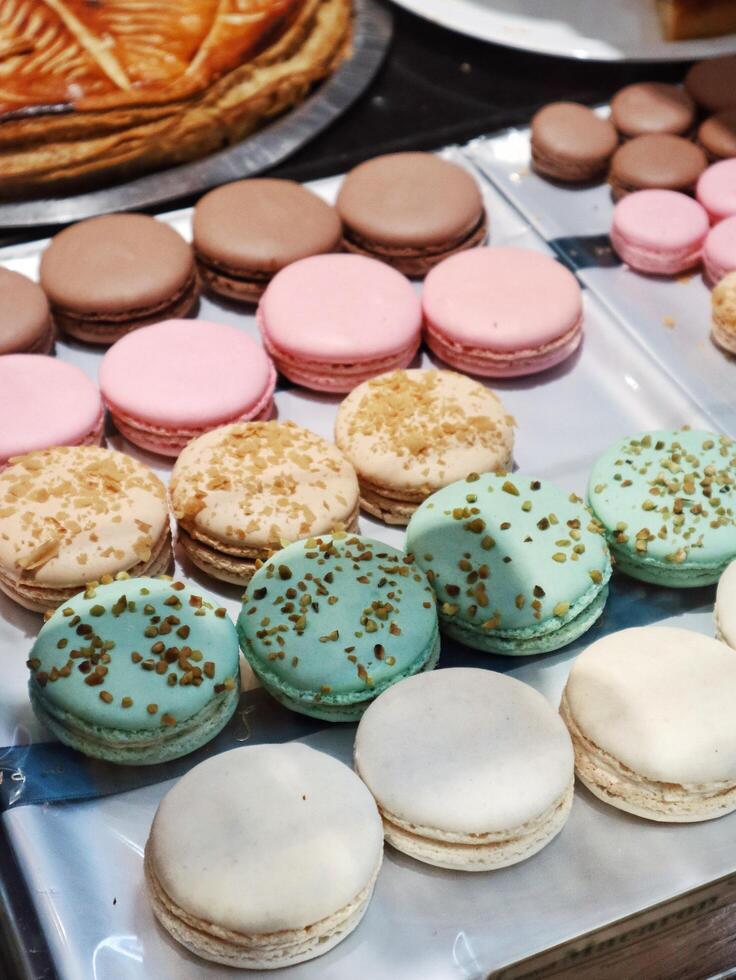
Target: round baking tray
372,27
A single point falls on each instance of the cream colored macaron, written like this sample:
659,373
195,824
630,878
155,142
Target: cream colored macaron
77,514
410,433
264,856
243,491
471,770
651,715
725,607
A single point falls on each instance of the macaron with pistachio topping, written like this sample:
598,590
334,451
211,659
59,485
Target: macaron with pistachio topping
329,623
139,671
666,500
518,565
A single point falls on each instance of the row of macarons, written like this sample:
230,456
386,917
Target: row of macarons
488,784
661,501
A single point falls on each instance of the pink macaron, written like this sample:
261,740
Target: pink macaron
716,190
331,322
168,383
719,251
659,232
45,402
502,312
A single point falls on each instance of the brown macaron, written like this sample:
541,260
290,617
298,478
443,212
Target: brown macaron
652,107
570,143
713,83
25,319
411,210
109,275
717,135
656,161
245,232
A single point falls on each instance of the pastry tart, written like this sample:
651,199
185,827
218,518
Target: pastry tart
682,19
99,90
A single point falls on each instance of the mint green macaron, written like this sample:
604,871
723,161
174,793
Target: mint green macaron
518,565
136,672
666,501
329,623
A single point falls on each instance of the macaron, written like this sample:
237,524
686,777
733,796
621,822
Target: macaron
665,502
77,514
717,135
240,492
723,313
331,622
659,232
332,321
25,319
502,312
170,382
109,275
295,821
724,612
712,83
411,210
570,143
471,770
45,402
650,712
656,160
136,672
652,107
719,251
716,190
411,432
244,232
517,565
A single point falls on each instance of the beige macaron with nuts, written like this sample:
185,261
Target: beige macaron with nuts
243,491
78,514
471,770
410,433
264,856
650,711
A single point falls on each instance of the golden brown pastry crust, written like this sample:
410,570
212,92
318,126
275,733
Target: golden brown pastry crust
197,76
682,19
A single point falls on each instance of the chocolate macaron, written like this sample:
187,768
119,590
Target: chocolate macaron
411,210
712,83
652,107
717,135
244,232
656,161
571,143
25,320
109,275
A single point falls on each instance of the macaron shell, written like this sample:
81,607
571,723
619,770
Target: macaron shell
409,200
464,751
45,402
115,263
115,515
262,225
340,308
620,492
652,107
716,190
186,373
212,635
526,572
25,320
712,83
501,299
374,620
570,142
717,135
625,690
656,160
302,823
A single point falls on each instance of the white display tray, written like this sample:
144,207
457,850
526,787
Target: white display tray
83,860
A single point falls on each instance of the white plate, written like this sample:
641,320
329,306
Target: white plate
595,30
